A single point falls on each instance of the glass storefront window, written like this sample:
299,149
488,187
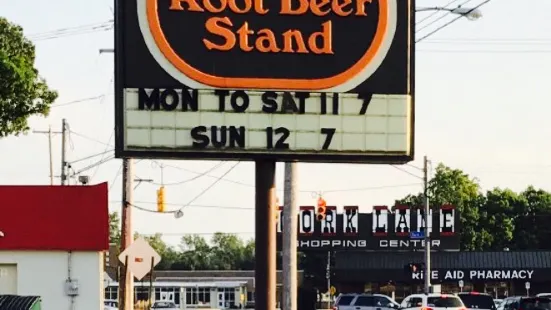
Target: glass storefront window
197,296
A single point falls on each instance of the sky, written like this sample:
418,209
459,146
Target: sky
482,105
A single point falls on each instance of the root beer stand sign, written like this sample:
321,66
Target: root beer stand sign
278,80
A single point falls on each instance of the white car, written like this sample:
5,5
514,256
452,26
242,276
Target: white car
432,302
165,305
365,302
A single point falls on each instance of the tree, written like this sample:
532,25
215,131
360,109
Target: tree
23,92
531,220
496,218
453,186
114,228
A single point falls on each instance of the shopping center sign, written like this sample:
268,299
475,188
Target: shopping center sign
323,80
383,229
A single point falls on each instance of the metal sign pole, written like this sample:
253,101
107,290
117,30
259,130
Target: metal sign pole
265,235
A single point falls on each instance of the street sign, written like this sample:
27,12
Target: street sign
333,290
461,283
417,235
527,285
139,255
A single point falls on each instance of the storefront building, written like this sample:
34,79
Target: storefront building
373,249
498,273
52,242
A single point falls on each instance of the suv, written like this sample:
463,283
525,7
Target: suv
433,302
476,300
526,303
364,302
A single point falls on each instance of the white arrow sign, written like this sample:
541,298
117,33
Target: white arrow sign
139,255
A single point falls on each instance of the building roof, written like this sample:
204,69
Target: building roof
68,218
444,260
13,302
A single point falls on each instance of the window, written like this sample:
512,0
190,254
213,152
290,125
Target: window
382,301
414,302
111,293
445,302
345,300
229,296
480,301
250,296
197,296
142,293
365,301
535,304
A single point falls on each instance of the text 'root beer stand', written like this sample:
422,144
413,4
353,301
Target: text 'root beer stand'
265,81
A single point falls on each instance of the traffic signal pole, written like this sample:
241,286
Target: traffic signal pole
427,229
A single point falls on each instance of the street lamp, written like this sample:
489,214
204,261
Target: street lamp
469,13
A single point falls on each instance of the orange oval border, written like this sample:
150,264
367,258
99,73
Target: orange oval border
266,83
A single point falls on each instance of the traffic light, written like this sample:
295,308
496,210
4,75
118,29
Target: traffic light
161,199
414,267
322,209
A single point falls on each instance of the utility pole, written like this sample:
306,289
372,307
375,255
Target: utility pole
63,152
290,227
126,281
50,133
427,230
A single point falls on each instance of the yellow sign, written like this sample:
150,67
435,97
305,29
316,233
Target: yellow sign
333,290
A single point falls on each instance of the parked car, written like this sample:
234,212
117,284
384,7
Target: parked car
526,303
548,295
476,300
498,302
365,302
111,305
433,302
165,305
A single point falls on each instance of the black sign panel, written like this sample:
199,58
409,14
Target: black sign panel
382,229
281,80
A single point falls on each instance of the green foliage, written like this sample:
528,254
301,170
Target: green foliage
22,92
498,219
114,228
494,220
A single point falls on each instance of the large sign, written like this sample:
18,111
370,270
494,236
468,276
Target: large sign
382,229
477,274
284,79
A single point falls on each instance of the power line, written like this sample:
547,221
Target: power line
194,198
187,180
57,105
451,21
435,12
441,17
91,139
71,31
89,157
488,51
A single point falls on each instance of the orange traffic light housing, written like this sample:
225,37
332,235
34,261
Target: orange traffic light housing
161,199
322,209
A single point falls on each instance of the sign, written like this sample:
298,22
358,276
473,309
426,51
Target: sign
527,285
417,235
477,274
461,283
333,290
282,80
138,256
382,229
